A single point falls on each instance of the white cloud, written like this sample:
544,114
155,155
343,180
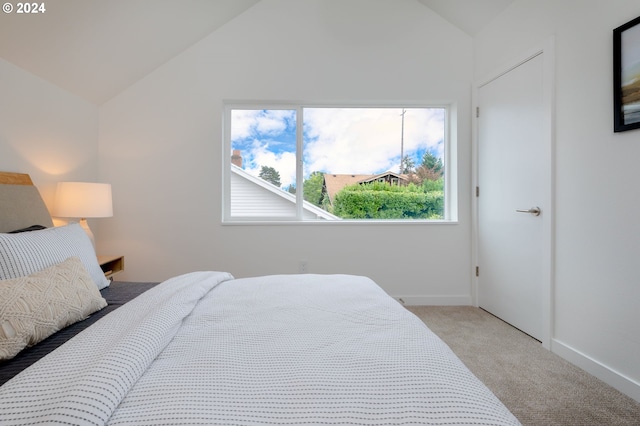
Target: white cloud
284,162
341,140
263,134
357,140
247,123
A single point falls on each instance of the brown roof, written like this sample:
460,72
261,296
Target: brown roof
333,183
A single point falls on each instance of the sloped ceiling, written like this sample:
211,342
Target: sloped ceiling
468,15
96,49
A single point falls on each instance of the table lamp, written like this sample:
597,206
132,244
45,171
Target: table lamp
81,200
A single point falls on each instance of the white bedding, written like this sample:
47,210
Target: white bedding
204,348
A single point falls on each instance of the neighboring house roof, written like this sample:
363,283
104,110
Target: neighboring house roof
333,183
255,197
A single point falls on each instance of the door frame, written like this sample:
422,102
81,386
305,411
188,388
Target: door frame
547,48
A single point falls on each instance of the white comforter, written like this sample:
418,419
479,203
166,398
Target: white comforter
204,348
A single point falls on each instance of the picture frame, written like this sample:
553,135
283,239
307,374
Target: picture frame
626,76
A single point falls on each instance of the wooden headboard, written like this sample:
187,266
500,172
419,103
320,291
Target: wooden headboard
10,178
20,203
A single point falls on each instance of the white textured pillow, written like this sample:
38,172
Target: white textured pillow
35,306
28,252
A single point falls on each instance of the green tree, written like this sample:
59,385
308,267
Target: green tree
270,175
430,170
312,188
407,165
432,163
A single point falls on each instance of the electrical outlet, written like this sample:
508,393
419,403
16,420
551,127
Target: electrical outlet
302,267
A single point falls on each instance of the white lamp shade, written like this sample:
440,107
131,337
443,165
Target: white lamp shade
83,199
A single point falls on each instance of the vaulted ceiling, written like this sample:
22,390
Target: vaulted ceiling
96,49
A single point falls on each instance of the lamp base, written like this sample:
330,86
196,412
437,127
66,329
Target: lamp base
85,226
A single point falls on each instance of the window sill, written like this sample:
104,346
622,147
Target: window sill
346,222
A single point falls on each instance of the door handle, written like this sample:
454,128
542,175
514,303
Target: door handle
533,210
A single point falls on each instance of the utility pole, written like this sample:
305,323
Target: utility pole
402,141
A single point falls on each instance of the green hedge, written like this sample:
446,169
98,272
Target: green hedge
384,201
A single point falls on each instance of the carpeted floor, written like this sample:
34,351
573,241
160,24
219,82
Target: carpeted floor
539,387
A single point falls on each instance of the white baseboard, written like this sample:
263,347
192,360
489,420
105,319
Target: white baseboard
611,377
434,300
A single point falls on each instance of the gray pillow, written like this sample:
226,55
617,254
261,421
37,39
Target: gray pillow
28,252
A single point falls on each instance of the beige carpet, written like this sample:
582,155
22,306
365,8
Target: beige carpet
539,387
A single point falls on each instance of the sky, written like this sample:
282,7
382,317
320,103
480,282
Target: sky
336,140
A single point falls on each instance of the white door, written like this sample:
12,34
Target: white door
511,177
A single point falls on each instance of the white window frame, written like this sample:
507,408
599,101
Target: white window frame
449,161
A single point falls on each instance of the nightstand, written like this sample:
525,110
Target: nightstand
111,265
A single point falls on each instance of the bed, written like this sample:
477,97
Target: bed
207,348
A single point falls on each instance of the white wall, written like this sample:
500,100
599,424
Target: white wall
160,144
45,131
597,289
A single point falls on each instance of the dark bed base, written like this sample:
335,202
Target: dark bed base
116,295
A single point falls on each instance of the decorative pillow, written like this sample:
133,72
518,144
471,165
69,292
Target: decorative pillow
36,306
28,252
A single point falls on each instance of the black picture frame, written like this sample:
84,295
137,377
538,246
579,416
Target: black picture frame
626,64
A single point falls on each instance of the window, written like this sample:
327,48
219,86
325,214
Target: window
320,163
